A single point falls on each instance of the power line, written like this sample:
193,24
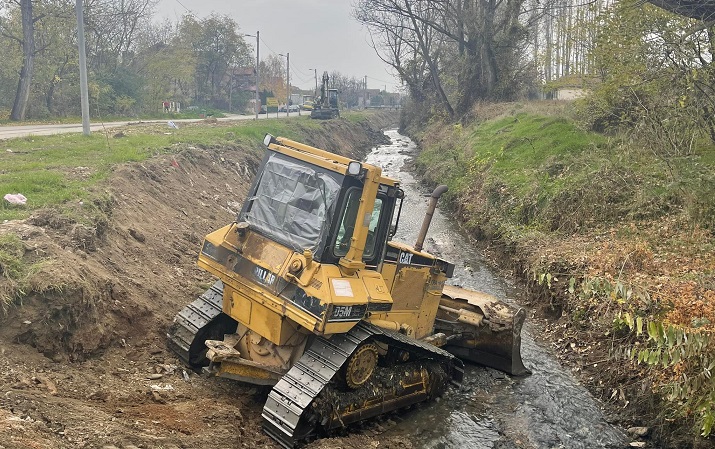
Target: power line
267,46
302,79
301,71
378,79
187,9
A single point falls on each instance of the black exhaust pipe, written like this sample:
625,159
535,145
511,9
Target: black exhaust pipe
428,216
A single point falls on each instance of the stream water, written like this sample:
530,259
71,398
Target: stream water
546,410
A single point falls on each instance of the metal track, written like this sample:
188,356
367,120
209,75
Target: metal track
284,414
192,318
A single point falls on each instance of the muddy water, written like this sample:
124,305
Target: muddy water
548,409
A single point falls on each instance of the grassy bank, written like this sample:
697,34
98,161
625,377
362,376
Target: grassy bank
615,242
70,186
63,170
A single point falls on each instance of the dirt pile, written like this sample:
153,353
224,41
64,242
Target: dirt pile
83,360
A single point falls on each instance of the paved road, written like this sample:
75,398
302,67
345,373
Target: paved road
10,132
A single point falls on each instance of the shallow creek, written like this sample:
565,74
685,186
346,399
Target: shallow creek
548,409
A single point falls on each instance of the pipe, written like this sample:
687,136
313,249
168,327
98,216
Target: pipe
428,216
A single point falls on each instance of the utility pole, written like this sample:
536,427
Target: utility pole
84,90
288,84
258,78
287,56
315,95
365,97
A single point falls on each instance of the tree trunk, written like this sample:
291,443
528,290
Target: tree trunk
487,57
22,97
425,50
56,79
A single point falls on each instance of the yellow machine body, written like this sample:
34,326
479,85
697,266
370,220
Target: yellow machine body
308,274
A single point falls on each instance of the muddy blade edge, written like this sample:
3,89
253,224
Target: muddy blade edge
499,350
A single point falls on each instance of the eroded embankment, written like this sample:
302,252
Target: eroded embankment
122,277
606,242
83,360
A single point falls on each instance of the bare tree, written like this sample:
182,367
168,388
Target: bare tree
112,29
405,39
473,46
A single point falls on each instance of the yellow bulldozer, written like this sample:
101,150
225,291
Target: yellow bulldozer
316,300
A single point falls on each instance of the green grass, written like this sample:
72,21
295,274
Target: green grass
355,116
11,252
532,171
16,271
13,270
57,170
196,114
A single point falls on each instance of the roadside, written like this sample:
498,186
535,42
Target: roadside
46,129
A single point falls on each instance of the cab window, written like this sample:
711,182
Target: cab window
346,225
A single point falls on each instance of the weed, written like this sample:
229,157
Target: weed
13,270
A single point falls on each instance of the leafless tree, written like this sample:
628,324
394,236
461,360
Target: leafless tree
472,45
112,29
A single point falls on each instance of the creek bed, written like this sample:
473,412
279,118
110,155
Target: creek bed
546,410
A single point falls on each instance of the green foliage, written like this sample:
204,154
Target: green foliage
690,354
116,92
216,46
656,79
534,172
134,64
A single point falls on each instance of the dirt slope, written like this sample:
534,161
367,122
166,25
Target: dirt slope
83,361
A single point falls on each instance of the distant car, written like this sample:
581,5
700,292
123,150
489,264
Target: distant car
293,108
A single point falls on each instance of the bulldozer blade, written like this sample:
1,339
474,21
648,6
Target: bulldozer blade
496,341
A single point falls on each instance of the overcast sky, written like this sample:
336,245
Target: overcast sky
317,33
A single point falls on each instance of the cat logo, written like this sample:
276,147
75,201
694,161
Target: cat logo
405,258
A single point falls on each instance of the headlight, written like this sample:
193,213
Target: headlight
268,140
210,250
354,168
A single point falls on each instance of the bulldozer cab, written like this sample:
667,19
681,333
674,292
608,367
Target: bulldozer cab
310,204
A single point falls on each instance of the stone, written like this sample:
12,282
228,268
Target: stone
638,432
138,236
